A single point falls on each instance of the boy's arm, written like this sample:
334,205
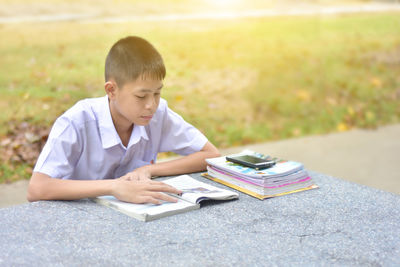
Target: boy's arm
191,163
43,187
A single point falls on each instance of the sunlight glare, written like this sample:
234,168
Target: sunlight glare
224,3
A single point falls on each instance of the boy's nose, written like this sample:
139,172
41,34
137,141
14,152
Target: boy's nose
151,103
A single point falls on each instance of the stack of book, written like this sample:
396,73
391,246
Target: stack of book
285,177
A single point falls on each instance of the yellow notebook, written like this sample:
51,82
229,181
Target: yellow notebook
250,193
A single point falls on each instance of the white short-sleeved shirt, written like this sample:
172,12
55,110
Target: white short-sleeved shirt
84,145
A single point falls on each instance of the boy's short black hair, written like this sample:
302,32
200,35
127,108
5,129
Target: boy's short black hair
132,57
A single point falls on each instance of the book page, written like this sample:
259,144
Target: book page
195,191
150,209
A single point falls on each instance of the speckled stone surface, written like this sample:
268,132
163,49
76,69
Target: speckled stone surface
340,224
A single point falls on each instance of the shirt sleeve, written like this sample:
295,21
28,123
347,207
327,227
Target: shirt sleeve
61,151
179,136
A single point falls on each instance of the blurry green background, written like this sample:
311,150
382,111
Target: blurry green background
239,80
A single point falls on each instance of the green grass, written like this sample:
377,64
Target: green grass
240,81
11,173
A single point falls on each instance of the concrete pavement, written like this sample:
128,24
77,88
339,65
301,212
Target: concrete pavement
368,157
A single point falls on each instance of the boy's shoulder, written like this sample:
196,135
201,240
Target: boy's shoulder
85,110
97,110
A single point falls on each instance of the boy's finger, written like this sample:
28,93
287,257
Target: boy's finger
149,199
156,182
164,188
164,197
151,182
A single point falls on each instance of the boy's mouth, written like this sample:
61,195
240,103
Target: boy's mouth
147,117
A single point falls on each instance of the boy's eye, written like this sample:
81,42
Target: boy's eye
139,96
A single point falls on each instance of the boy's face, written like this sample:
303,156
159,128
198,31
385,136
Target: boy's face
134,103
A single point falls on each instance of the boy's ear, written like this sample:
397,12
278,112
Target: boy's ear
110,88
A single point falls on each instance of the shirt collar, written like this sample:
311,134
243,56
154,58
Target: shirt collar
138,133
109,135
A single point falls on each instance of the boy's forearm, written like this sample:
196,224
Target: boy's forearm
177,166
188,164
42,187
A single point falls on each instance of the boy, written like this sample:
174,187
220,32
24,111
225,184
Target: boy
108,145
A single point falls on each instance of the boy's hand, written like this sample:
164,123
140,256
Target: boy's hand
142,173
143,191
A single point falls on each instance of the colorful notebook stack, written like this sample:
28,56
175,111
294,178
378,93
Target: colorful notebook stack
285,177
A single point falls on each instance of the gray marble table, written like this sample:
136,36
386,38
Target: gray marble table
340,223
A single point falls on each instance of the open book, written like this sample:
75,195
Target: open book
193,192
